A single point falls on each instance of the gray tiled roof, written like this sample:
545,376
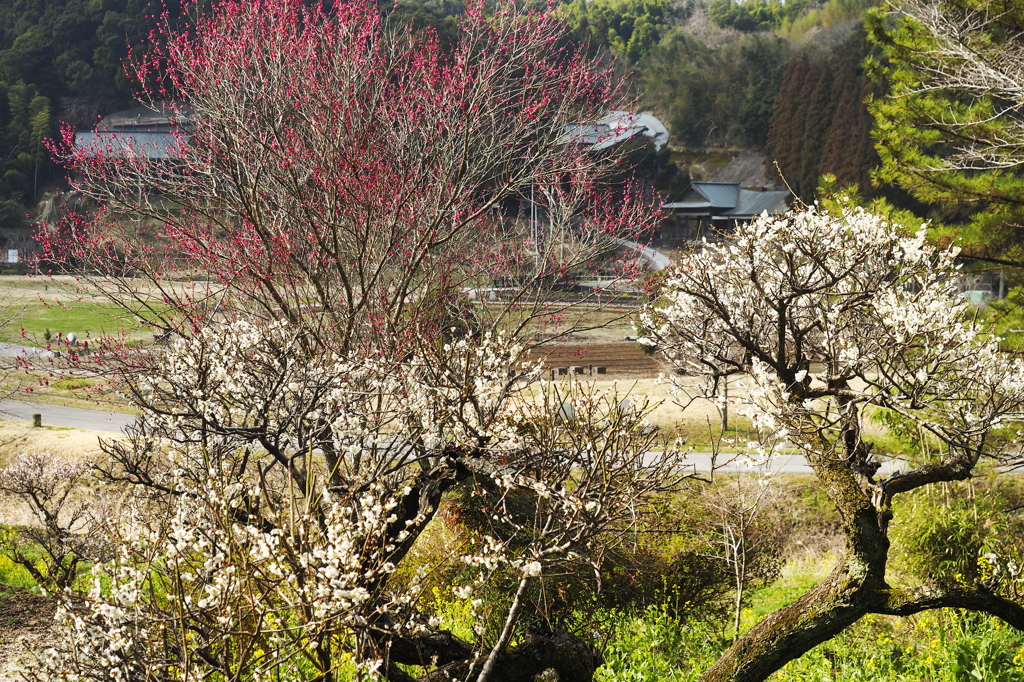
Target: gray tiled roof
600,136
727,200
688,205
150,145
161,118
753,203
616,127
720,194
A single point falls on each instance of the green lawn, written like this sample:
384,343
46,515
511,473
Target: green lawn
86,320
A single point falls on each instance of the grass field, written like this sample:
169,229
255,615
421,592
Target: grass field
31,305
88,320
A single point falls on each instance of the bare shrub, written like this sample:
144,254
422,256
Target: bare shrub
47,484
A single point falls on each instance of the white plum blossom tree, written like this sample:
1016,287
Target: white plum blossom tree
829,315
279,495
50,485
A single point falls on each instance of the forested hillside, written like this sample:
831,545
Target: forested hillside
785,79
60,60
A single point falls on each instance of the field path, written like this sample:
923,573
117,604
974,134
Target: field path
73,417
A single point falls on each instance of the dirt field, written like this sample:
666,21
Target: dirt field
21,437
619,359
25,621
635,373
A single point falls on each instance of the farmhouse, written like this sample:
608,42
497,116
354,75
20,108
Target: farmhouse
157,134
717,206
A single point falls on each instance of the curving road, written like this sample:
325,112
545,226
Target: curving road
656,260
73,417
114,422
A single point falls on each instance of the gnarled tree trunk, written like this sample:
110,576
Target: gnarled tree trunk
857,585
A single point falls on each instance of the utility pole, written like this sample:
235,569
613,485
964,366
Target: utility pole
725,404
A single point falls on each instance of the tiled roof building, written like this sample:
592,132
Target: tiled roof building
709,206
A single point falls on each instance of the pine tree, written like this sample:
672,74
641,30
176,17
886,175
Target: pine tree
949,131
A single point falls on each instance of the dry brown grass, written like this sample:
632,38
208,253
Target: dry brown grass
17,438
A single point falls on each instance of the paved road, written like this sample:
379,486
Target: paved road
656,260
16,350
56,415
113,422
785,464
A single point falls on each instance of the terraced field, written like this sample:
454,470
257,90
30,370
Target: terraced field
619,358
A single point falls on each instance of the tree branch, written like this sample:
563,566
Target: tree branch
906,602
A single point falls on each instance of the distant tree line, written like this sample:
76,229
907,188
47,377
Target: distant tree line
628,28
755,15
745,75
715,95
60,60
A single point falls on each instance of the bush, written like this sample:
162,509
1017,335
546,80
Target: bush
959,535
669,561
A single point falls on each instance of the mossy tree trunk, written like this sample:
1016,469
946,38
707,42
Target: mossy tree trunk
857,585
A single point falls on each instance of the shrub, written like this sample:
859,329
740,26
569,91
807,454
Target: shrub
48,485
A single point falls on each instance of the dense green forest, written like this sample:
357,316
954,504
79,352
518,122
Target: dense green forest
60,60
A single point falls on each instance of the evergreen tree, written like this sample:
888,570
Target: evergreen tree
26,120
629,28
950,130
821,123
786,126
849,152
59,60
763,56
816,112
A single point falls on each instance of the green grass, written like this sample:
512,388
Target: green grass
938,646
797,578
86,320
70,384
13,575
651,646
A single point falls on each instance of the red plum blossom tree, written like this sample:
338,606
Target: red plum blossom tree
334,246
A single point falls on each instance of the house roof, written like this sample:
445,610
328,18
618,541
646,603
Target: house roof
702,206
154,146
599,135
159,118
720,194
615,127
728,200
752,203
152,132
